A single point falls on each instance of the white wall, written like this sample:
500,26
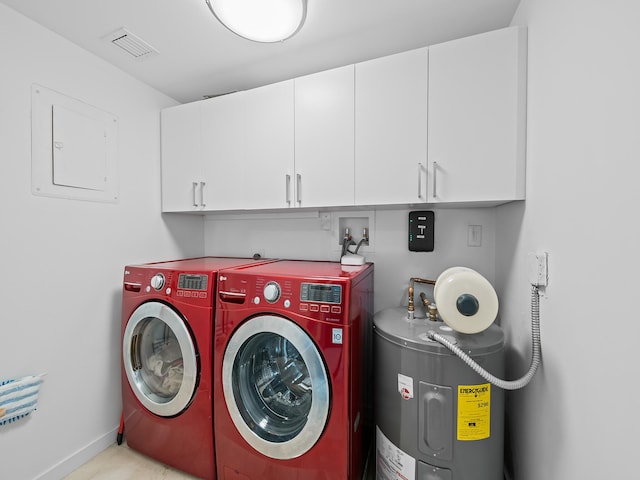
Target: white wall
302,237
578,418
62,260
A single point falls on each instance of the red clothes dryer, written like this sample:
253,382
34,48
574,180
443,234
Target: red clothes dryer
167,328
291,371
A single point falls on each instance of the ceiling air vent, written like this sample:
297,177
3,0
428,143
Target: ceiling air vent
132,44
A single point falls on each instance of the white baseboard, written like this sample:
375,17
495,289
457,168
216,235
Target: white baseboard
80,457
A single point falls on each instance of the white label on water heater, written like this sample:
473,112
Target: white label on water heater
391,462
405,386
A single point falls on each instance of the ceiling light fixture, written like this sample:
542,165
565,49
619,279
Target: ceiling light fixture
261,20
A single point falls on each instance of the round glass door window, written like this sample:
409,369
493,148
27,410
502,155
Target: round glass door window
275,386
160,359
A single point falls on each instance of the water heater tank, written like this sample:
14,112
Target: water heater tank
436,419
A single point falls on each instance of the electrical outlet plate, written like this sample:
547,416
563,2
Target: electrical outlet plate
538,268
325,220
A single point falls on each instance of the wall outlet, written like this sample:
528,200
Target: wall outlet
538,268
325,220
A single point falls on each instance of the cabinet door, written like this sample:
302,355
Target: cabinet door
476,122
223,154
181,157
324,138
391,129
269,146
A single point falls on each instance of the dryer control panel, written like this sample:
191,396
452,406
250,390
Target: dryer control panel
192,281
190,287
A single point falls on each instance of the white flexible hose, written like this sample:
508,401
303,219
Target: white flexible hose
535,354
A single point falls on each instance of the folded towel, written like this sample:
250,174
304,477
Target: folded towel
19,397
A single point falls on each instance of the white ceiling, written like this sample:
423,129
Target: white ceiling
198,57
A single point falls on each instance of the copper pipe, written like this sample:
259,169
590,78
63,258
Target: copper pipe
411,306
422,280
425,300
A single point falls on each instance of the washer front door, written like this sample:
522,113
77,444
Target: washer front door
160,359
275,386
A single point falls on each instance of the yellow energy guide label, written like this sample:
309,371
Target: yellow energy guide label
474,411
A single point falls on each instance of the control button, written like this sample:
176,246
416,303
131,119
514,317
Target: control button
168,291
202,295
335,309
256,300
304,307
148,289
157,281
271,292
324,308
287,303
179,293
314,308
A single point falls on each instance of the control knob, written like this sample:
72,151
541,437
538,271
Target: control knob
271,292
157,281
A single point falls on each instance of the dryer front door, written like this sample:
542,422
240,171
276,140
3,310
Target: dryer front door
275,386
160,359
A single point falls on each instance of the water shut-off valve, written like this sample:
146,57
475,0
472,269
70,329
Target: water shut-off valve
432,310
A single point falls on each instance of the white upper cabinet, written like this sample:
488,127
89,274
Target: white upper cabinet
269,147
443,124
222,152
324,139
247,148
391,129
476,118
182,169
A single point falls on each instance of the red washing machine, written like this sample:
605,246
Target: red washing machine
292,386
167,328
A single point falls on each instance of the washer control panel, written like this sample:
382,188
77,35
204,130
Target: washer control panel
320,292
316,299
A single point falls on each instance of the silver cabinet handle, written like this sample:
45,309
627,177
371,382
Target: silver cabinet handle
287,186
435,179
194,186
420,180
298,187
202,184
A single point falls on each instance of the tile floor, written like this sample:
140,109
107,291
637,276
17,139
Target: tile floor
119,462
